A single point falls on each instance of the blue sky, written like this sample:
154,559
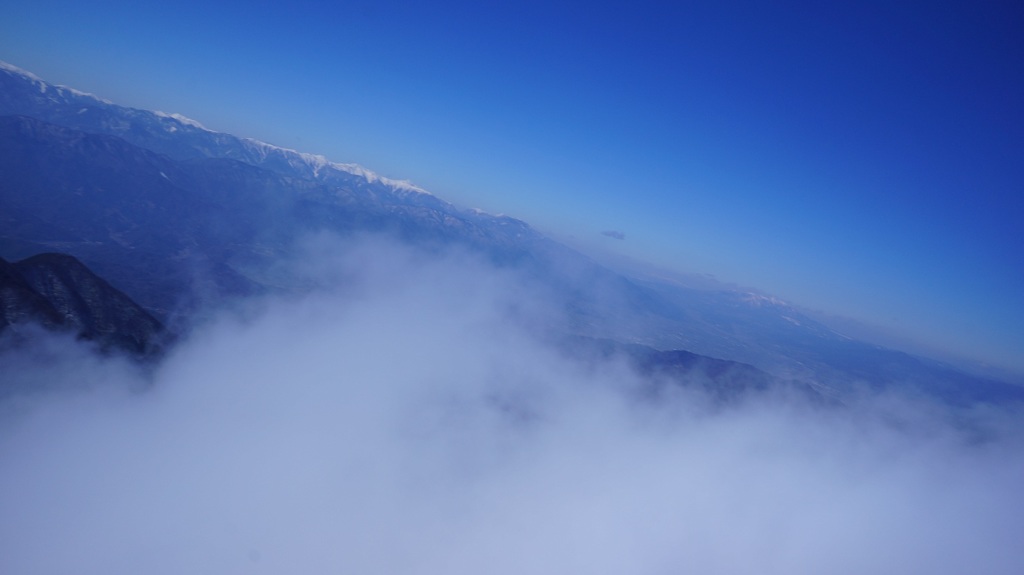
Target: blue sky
861,158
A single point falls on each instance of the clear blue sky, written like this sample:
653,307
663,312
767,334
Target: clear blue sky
861,158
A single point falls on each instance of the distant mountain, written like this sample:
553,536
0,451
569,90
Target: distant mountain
178,215
59,293
161,227
379,201
721,380
783,340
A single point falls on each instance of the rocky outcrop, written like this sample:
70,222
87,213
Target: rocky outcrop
58,292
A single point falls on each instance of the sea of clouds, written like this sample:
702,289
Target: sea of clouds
404,415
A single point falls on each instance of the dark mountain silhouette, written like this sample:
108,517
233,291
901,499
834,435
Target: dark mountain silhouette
60,293
21,304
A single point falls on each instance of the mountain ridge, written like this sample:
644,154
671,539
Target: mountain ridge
151,130
259,198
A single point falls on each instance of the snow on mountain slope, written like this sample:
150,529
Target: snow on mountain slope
152,129
320,165
52,90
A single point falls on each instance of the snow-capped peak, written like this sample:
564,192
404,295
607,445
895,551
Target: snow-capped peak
16,70
759,300
44,86
183,119
371,176
318,163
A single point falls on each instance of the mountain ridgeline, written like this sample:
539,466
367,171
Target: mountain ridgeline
181,217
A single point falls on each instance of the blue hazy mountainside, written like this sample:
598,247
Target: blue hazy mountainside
181,217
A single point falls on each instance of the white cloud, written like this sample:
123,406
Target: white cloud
404,417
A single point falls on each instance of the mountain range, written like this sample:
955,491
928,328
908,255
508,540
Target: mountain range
181,217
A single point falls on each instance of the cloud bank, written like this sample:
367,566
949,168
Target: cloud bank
403,417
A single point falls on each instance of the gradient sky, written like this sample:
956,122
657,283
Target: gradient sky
863,158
